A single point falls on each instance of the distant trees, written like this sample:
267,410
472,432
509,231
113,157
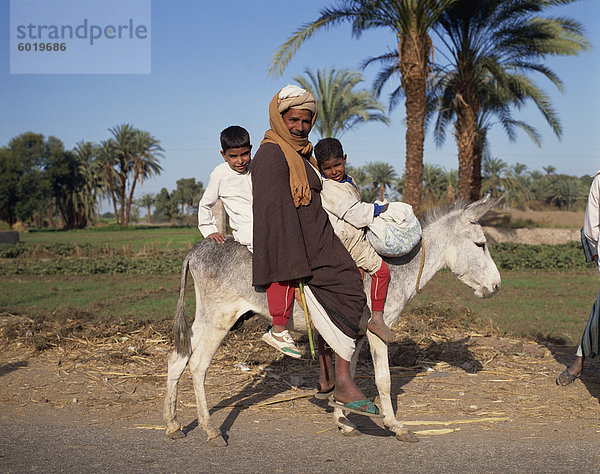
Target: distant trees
147,201
179,204
40,180
134,154
534,188
23,184
75,182
382,175
187,195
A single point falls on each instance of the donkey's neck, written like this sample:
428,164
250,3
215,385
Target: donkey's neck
404,270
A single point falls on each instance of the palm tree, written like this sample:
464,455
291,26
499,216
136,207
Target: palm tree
567,191
434,185
134,152
147,200
492,45
91,173
124,149
520,194
340,107
549,170
410,21
144,162
107,161
381,175
496,177
363,181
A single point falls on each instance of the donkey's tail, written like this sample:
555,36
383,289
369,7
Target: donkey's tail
181,332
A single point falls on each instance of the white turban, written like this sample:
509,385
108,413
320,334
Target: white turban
294,97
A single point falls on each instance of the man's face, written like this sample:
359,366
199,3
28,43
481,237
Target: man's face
237,158
334,168
298,122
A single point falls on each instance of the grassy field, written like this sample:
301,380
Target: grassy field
110,275
135,239
536,304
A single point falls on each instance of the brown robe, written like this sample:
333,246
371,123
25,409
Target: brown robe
299,244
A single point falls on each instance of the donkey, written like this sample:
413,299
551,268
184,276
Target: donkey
222,280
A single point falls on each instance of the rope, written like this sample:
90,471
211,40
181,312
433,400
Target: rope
421,267
308,323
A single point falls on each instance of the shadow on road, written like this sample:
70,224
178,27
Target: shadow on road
407,359
8,368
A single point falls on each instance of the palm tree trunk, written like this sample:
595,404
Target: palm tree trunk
122,192
466,138
149,213
476,173
50,214
415,50
130,200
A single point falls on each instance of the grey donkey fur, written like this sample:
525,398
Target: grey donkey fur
222,280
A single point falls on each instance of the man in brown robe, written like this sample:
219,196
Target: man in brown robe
293,239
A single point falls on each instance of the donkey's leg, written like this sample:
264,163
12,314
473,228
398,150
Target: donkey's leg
344,424
379,353
177,364
355,356
211,335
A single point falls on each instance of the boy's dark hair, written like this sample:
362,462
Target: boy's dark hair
328,148
234,137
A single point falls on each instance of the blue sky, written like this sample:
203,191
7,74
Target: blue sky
210,70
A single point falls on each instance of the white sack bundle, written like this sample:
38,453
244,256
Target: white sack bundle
394,232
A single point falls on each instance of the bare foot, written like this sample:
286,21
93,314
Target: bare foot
379,328
327,373
569,375
346,390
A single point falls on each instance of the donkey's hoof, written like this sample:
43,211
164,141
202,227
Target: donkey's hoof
350,432
407,436
177,434
347,427
218,442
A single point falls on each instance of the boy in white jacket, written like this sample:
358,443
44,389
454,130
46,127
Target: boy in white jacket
230,182
349,216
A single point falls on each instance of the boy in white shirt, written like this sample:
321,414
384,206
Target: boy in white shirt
230,181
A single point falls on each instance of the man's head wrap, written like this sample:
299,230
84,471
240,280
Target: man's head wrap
294,97
295,149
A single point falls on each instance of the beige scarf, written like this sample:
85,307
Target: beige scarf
295,149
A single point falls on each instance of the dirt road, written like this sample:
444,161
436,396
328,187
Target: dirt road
479,403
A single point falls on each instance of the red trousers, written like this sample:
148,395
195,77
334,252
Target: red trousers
379,286
280,295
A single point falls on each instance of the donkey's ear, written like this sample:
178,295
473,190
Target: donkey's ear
476,210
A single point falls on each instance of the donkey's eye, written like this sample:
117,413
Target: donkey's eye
481,245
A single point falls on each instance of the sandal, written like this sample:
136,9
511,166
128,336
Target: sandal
370,409
566,378
324,395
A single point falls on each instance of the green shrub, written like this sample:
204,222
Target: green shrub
512,256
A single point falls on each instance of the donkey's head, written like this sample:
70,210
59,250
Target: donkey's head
467,254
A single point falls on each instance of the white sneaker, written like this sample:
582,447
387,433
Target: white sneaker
283,342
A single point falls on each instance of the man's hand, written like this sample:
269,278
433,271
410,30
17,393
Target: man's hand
216,237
